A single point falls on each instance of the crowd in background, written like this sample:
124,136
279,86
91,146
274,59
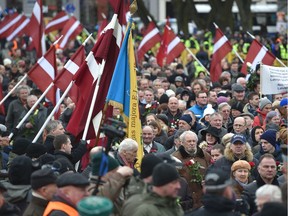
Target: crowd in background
208,147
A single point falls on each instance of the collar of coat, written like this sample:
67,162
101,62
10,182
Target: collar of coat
185,154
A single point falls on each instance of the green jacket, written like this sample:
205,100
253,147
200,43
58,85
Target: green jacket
154,205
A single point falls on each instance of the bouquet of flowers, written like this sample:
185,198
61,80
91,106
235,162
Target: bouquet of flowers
194,170
252,164
150,107
279,168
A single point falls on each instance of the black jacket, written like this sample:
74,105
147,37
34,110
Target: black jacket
75,155
215,205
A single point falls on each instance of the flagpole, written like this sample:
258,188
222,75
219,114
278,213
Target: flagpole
93,101
32,109
266,48
53,111
13,89
197,59
86,32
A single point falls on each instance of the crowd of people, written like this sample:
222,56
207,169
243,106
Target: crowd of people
209,148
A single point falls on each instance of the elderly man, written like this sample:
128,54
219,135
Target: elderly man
173,113
34,122
190,155
267,170
225,109
43,183
237,149
127,153
16,107
238,94
72,187
162,200
149,145
52,129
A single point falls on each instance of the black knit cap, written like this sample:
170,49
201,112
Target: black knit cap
163,174
35,150
42,177
148,163
20,145
20,170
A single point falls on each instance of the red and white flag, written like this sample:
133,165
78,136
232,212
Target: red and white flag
71,29
14,27
222,47
57,23
171,47
35,29
151,37
107,48
64,77
257,53
43,73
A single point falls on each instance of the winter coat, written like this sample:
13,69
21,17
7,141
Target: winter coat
36,207
154,205
195,187
259,120
215,205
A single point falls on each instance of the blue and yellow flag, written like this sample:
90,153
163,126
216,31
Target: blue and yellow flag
123,91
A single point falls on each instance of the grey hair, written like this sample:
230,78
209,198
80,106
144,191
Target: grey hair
25,87
127,144
52,125
183,135
223,105
273,192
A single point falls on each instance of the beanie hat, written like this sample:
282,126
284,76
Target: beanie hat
209,110
96,163
270,115
284,102
94,206
20,170
270,136
163,174
163,118
35,150
240,164
186,118
148,163
237,106
42,177
263,102
222,99
20,145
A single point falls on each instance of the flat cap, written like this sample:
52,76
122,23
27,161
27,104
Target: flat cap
72,179
42,177
237,88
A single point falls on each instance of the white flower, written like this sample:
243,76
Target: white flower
147,106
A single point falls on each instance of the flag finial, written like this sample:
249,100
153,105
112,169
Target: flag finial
133,7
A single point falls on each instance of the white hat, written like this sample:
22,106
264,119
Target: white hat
209,110
7,61
170,93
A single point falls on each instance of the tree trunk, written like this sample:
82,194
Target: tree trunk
221,14
245,14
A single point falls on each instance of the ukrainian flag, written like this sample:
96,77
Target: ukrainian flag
123,91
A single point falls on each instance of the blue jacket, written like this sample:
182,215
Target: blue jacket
198,111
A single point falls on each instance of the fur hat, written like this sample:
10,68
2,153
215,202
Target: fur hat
35,150
20,145
163,118
20,170
263,102
240,164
